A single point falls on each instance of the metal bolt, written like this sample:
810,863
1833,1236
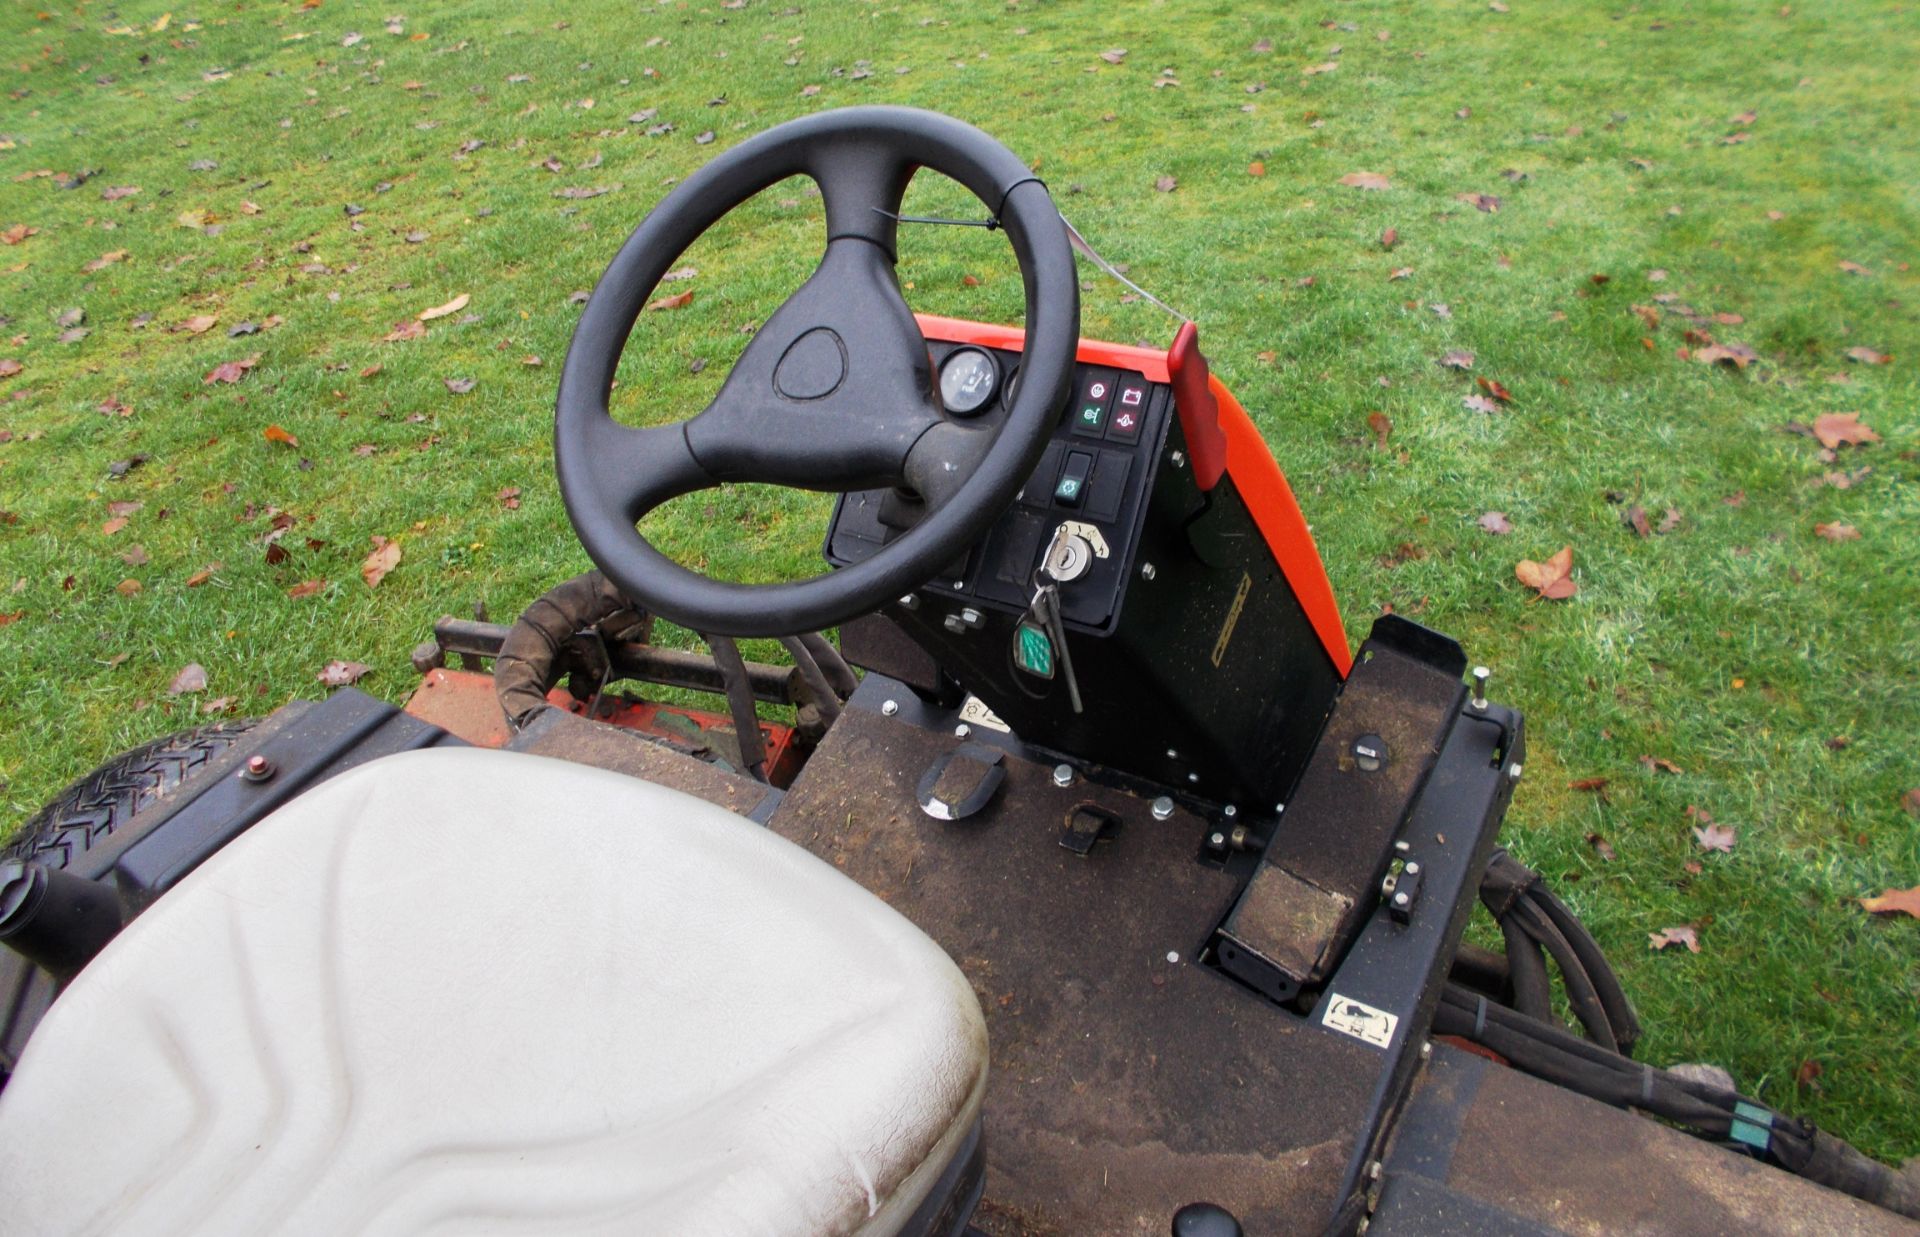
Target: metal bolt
959,584
1373,1171
910,602
1412,868
1163,808
1513,771
1147,571
1480,676
962,731
890,708
1229,811
1172,755
1400,899
1426,1050
1278,808
1217,839
1179,459
1063,775
258,769
1193,777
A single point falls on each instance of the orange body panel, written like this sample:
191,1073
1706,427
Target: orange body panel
1256,474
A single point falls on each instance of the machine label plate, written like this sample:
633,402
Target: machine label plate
1360,1020
1233,618
974,712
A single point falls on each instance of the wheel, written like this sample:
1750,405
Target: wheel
93,808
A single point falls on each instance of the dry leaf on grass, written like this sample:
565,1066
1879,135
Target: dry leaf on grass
342,673
1895,902
1835,429
1683,935
1552,579
385,557
453,306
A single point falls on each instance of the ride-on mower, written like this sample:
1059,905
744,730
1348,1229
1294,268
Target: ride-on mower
1118,895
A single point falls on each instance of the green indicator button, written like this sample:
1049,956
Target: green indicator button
1033,652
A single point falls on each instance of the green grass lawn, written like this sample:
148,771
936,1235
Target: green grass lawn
326,187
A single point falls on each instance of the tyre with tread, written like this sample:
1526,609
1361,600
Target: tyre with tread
93,808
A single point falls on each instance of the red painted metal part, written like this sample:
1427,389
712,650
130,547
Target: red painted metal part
1198,410
462,703
1249,461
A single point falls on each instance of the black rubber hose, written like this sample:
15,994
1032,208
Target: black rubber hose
826,699
1526,970
1573,977
1557,1055
746,721
835,666
527,666
1606,984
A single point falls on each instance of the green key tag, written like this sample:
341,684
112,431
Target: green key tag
1032,651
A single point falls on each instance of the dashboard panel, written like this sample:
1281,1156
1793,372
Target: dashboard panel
1096,472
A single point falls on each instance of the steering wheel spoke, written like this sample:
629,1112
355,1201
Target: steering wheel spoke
636,469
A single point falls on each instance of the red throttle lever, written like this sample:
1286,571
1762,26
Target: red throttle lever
1199,411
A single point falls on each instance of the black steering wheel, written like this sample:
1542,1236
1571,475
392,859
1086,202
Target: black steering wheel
835,391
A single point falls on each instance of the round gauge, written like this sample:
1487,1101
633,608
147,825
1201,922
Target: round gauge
967,380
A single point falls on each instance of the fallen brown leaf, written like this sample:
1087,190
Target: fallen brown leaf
1166,184
1496,523
1837,532
385,557
306,588
192,678
105,260
1661,764
1366,180
1495,389
231,371
1486,202
1867,356
342,673
1684,935
453,306
1894,902
1835,429
677,301
1459,358
274,433
1712,837
1601,847
1552,579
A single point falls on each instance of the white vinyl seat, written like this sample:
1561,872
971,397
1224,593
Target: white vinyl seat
461,991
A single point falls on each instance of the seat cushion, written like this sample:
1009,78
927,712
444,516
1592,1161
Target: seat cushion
469,991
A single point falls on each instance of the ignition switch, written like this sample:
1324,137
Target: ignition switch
1068,557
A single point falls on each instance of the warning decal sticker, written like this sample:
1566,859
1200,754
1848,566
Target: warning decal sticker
1360,1020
